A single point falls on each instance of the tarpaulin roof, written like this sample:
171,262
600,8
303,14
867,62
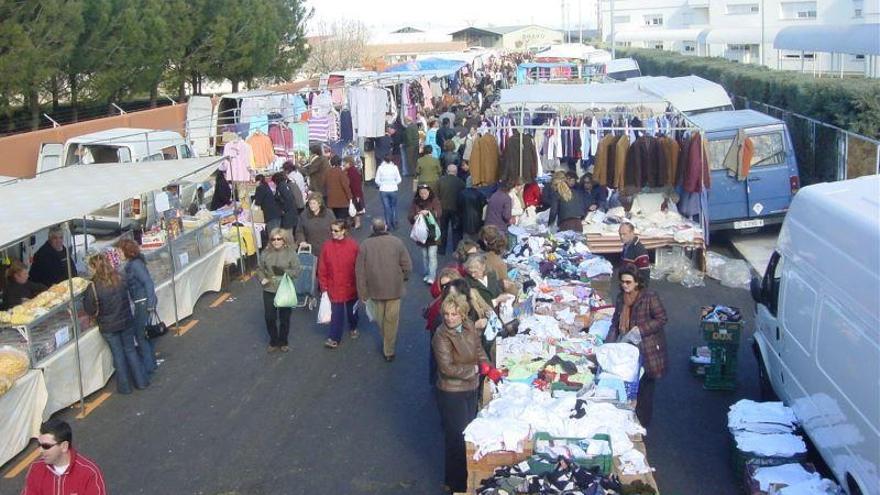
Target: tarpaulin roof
565,50
578,96
687,93
430,66
854,39
75,191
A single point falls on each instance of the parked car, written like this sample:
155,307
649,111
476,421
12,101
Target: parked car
126,145
763,197
817,339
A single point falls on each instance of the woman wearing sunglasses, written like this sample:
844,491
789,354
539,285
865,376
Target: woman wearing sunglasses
639,319
278,259
336,274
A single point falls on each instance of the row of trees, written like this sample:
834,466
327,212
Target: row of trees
78,51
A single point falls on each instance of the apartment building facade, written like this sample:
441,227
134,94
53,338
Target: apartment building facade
739,30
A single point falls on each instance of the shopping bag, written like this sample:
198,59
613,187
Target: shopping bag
285,296
370,309
419,231
324,311
155,328
493,327
433,227
352,209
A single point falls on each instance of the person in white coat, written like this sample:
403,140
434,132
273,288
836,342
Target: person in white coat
388,179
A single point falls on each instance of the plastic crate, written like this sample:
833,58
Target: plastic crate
605,463
721,374
697,369
724,332
741,459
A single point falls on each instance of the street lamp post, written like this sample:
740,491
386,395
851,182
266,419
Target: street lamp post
613,54
762,33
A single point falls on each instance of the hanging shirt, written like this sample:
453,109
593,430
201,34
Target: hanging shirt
240,157
300,137
282,139
299,107
262,149
318,128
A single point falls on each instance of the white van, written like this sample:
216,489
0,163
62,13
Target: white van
124,145
817,339
621,69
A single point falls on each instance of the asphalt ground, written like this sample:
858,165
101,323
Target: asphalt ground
224,417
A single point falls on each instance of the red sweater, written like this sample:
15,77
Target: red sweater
336,269
83,477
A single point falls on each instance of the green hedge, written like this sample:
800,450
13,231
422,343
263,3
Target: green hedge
850,103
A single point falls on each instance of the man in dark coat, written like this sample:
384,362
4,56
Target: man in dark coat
448,188
471,203
384,145
410,147
50,261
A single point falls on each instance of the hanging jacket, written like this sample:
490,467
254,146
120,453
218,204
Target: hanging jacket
484,161
510,162
697,176
336,269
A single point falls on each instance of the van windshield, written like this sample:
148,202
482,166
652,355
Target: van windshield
85,154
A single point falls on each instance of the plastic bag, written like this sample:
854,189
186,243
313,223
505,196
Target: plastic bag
352,209
419,231
370,309
714,263
285,296
736,274
324,311
493,327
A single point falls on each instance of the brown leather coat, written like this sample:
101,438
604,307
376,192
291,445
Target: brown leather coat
458,354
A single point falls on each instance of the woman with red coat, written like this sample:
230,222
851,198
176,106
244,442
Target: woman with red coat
337,276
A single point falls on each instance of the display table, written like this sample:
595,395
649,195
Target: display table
21,410
606,244
59,371
201,276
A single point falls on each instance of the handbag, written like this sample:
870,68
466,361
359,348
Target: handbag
155,328
285,296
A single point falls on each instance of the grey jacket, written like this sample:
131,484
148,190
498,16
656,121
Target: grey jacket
382,267
275,263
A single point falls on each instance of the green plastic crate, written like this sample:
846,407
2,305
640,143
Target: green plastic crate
605,463
725,332
721,374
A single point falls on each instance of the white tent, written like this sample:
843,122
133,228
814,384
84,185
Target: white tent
73,192
687,93
579,96
566,50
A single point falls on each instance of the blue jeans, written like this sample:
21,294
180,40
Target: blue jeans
126,361
339,312
389,206
144,345
429,261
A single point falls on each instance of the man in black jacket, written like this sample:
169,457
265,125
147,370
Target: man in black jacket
471,204
50,261
448,188
634,252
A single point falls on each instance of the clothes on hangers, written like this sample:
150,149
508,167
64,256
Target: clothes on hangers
368,106
240,154
261,147
519,161
484,161
282,139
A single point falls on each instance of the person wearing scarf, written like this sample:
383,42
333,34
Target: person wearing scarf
639,319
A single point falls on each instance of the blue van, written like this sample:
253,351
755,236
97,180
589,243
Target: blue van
763,197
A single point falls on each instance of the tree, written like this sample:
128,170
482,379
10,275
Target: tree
338,45
41,35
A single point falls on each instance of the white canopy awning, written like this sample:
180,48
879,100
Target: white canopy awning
693,34
854,39
575,51
75,191
686,93
578,96
739,36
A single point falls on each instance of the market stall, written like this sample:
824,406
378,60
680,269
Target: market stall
49,333
566,404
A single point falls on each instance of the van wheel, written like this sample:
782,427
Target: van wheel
766,388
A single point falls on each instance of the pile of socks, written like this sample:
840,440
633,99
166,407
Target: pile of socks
720,313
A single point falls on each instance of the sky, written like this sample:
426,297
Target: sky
454,14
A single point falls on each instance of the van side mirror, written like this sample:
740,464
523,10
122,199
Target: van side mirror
757,289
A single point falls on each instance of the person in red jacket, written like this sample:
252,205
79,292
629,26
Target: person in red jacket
62,470
336,273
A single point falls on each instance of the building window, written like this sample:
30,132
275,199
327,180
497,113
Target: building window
657,45
621,19
797,10
797,56
858,9
858,58
655,20
742,8
689,47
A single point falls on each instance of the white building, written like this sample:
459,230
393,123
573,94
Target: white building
738,30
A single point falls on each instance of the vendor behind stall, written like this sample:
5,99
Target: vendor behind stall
634,252
18,287
50,262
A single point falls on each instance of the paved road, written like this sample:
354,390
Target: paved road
223,417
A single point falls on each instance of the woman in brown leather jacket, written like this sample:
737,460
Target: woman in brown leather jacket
460,357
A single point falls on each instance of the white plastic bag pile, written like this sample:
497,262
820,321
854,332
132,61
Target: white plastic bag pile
730,272
678,269
794,480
